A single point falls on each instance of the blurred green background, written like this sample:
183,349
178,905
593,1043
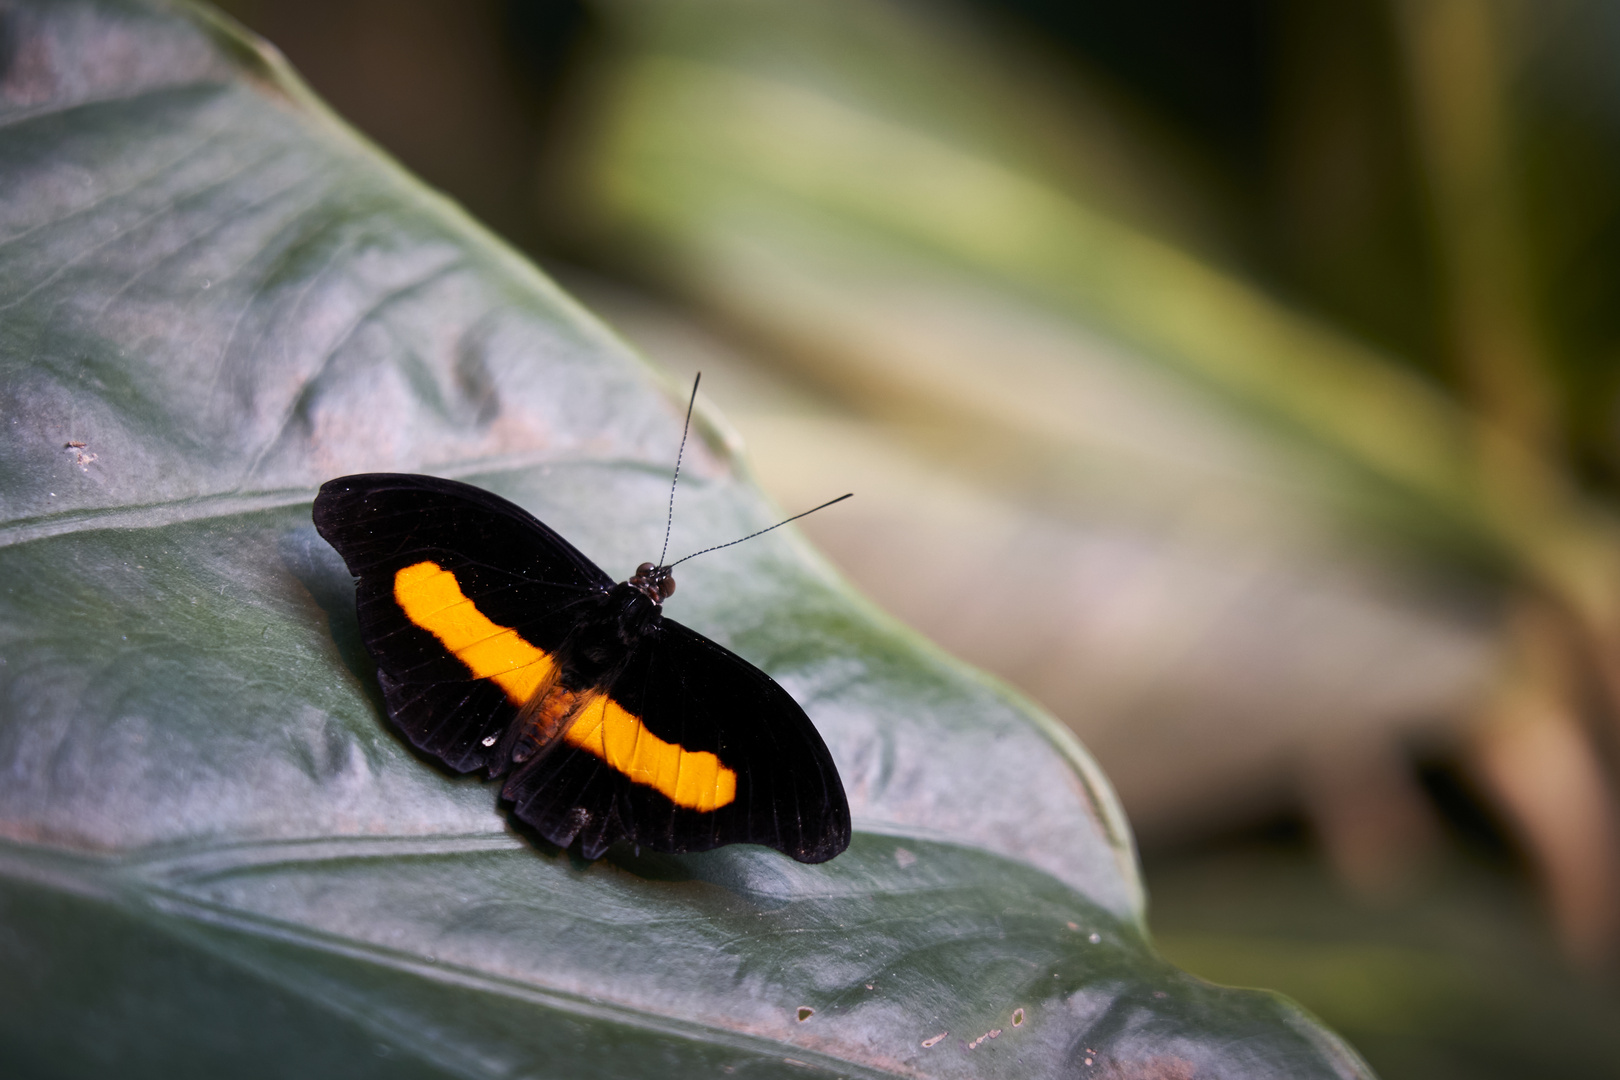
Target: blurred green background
1238,378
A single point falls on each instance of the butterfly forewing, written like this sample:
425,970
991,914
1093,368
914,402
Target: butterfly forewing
474,610
425,550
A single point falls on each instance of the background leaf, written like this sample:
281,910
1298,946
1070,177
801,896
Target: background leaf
216,858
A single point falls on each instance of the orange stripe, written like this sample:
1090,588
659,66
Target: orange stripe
691,778
431,598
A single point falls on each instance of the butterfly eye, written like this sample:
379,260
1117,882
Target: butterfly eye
645,569
666,586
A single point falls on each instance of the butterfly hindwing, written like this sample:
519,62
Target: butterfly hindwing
708,750
450,720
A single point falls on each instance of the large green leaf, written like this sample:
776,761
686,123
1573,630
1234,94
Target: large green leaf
217,859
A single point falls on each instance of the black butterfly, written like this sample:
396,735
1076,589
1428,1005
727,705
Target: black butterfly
500,647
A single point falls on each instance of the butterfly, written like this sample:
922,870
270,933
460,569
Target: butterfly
501,648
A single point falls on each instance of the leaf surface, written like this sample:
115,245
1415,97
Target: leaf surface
215,854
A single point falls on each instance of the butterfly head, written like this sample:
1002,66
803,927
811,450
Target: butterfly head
656,583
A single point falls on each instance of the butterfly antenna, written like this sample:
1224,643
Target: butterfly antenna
670,520
761,532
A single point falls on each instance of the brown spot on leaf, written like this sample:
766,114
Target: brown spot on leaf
1153,1068
932,1042
805,1012
1018,1018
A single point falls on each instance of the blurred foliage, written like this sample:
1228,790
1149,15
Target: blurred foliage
1461,981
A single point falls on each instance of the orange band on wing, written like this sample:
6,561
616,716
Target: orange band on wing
431,598
694,779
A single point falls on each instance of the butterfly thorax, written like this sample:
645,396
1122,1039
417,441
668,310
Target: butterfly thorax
623,616
605,634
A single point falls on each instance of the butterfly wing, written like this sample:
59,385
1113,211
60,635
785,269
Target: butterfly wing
691,747
463,600
467,604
